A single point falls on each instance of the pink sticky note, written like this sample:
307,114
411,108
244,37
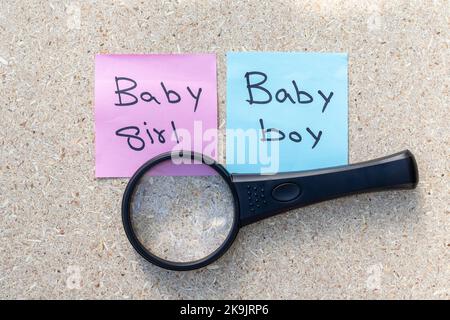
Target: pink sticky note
149,104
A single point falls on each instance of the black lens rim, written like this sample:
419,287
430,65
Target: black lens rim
126,214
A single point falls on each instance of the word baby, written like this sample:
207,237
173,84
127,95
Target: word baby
128,96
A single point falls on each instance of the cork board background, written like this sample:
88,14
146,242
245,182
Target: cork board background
60,229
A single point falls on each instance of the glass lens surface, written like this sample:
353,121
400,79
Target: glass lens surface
183,217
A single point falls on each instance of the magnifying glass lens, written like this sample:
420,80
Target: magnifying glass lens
181,212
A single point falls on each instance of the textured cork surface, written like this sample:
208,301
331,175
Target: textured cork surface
60,229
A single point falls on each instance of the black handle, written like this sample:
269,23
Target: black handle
262,196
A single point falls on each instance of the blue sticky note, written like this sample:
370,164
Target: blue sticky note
286,111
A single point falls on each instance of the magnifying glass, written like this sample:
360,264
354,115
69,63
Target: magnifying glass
182,210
